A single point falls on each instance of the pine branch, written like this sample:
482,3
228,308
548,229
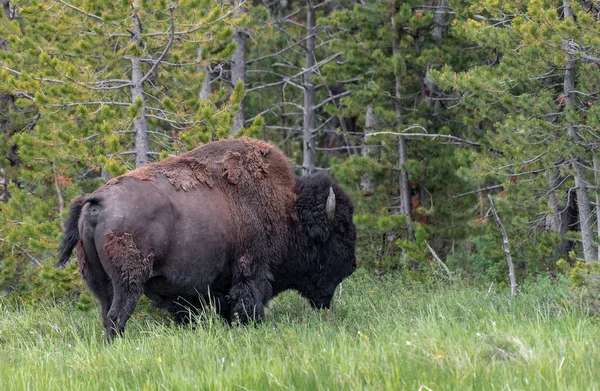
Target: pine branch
35,78
164,53
477,191
101,103
433,135
81,11
31,257
340,95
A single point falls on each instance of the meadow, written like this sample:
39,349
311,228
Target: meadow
379,334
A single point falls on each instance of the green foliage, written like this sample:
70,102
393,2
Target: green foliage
585,284
492,73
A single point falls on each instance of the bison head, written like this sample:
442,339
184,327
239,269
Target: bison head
328,238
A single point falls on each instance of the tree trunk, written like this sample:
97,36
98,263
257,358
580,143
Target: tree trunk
597,183
402,151
366,182
206,88
140,125
583,198
558,221
310,123
441,21
7,105
238,69
59,196
439,29
511,266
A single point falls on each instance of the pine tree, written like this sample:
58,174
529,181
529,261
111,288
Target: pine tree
388,49
111,87
537,105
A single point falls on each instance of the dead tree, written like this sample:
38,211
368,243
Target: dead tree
511,267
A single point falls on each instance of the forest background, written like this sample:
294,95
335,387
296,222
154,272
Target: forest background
420,109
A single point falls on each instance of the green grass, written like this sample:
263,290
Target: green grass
378,335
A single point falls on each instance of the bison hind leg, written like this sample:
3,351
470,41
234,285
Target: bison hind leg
96,279
128,270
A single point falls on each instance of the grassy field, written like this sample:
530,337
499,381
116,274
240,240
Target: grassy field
378,335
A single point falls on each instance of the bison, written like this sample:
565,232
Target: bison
226,223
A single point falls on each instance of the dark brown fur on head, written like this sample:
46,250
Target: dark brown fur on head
322,252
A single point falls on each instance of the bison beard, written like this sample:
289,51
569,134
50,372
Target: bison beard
226,222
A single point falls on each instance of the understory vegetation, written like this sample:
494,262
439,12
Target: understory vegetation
391,333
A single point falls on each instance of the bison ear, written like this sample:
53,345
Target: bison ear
330,205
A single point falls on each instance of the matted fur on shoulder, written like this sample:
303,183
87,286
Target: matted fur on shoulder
224,163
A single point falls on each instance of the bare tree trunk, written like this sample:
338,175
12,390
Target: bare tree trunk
238,69
7,104
61,201
4,197
403,155
558,220
366,182
441,20
310,123
206,88
511,266
140,125
439,29
583,198
597,183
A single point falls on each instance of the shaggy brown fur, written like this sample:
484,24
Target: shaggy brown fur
218,223
127,259
198,166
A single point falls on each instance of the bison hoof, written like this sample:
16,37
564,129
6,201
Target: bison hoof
244,313
112,333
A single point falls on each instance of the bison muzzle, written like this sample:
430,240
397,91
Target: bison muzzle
226,223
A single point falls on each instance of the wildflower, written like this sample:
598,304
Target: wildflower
439,356
159,359
371,291
408,343
480,309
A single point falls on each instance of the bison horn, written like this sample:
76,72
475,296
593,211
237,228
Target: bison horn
330,205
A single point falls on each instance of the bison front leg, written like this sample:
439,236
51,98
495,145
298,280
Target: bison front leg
250,292
128,270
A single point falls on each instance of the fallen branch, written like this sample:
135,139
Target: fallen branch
442,264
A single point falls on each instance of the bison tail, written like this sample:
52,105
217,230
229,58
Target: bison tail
71,234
